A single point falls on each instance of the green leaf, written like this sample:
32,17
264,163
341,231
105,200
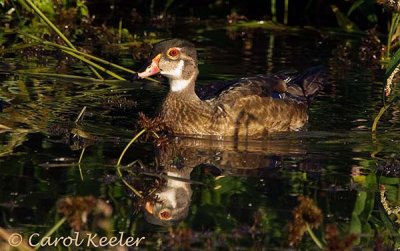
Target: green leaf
360,202
368,207
387,222
393,63
373,18
83,9
389,180
355,6
168,4
355,227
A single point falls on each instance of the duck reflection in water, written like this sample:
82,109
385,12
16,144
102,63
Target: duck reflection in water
211,157
173,199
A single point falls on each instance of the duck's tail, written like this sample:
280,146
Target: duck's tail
304,87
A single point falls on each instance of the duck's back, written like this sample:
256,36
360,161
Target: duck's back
256,105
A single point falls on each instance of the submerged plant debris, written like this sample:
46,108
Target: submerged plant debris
305,215
78,211
335,242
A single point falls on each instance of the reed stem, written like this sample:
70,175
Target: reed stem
378,117
99,67
56,30
314,237
286,14
273,10
52,230
100,60
120,159
129,144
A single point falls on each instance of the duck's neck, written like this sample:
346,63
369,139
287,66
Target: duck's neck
182,107
184,87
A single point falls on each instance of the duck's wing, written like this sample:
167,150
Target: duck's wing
260,85
283,85
304,87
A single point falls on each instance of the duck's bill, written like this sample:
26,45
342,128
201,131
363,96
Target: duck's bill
149,207
152,69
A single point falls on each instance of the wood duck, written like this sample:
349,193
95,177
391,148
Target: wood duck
251,106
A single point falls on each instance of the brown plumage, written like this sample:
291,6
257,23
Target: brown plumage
251,106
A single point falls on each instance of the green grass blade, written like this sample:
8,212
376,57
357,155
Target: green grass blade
52,230
378,117
49,23
381,112
100,60
62,76
98,67
128,145
343,21
354,6
120,160
314,237
56,30
393,63
273,10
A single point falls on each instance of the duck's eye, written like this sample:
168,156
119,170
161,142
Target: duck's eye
173,53
165,215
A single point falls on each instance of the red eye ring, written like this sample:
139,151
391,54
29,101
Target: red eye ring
165,215
173,53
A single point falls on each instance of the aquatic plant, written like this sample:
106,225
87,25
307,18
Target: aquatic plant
76,211
335,242
305,217
391,59
69,49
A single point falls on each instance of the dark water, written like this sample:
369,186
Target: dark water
243,194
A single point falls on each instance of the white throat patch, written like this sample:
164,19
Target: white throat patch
170,196
178,85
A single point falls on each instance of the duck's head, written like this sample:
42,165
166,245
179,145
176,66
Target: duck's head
173,206
173,199
175,59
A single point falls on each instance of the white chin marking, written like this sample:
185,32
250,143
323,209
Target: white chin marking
175,73
170,196
175,77
178,85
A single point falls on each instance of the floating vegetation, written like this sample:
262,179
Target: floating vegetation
70,49
79,210
343,21
153,126
371,49
390,4
150,127
119,102
58,32
268,25
306,216
390,167
335,242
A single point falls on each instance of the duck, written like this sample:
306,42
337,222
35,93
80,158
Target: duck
248,107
